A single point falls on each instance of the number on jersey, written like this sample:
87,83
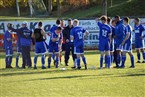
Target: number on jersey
80,35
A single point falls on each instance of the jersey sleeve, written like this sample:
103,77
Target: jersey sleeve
84,30
99,24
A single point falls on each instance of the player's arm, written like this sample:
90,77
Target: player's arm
43,33
126,38
71,36
33,35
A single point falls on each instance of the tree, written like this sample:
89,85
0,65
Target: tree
104,7
18,9
49,6
58,8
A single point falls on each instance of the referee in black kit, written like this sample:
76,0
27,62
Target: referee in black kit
69,45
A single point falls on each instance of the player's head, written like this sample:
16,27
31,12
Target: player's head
113,22
70,23
108,20
58,30
9,26
103,19
76,22
117,18
136,21
126,21
62,23
40,24
58,21
25,24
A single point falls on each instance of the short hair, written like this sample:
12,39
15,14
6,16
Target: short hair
117,16
137,19
58,21
40,24
76,20
59,28
113,21
126,19
108,19
104,18
69,19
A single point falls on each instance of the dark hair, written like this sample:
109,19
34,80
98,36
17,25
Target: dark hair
117,16
58,21
59,28
137,19
126,19
104,18
40,24
108,19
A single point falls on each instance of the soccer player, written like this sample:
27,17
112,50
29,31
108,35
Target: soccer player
119,39
55,41
53,28
127,43
69,45
40,47
25,41
8,38
77,35
139,39
113,24
104,41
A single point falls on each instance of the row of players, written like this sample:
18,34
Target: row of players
115,35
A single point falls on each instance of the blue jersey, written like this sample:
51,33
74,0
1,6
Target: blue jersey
128,30
53,28
7,43
138,31
105,31
119,32
78,34
54,35
24,35
18,39
113,34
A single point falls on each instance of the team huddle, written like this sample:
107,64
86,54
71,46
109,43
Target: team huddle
115,40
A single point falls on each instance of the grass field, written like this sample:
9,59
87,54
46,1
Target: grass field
73,83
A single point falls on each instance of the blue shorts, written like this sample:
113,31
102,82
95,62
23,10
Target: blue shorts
104,46
127,47
9,51
139,44
53,49
79,49
40,48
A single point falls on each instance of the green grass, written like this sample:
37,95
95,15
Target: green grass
73,83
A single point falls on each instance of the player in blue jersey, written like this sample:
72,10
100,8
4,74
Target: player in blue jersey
55,42
40,46
127,43
52,29
25,41
104,41
77,35
8,38
119,33
113,24
139,39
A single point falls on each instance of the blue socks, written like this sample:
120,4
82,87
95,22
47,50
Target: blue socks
101,61
35,60
123,61
17,60
53,56
78,62
49,62
7,60
112,58
143,54
84,60
43,60
108,61
138,56
132,60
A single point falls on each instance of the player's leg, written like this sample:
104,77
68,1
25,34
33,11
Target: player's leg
67,53
138,55
131,59
123,59
77,52
82,55
50,55
43,61
108,59
24,57
143,55
35,61
28,57
18,56
74,57
10,57
101,59
119,57
57,59
7,58
43,51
